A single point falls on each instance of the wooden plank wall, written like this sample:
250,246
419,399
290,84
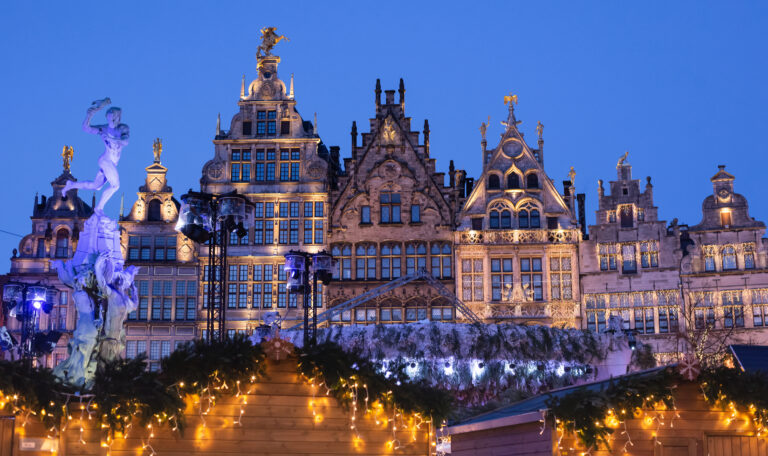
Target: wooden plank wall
7,440
698,431
278,420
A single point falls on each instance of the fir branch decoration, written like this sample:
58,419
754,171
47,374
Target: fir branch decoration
338,368
733,389
31,391
584,411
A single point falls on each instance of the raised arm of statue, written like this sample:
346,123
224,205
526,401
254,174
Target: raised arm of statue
95,106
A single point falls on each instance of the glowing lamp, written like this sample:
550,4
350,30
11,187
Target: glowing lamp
295,271
195,217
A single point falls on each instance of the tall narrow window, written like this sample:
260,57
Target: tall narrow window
155,212
704,311
241,165
415,213
247,128
62,244
760,307
729,258
390,261
709,257
493,182
365,214
415,257
494,220
472,279
40,248
513,181
649,254
725,218
365,256
440,255
629,262
390,207
531,278
607,255
560,277
627,215
506,219
733,309
343,256
596,313
532,181
749,256
501,279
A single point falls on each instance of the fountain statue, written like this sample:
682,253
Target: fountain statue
104,292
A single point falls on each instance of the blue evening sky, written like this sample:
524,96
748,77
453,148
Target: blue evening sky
681,85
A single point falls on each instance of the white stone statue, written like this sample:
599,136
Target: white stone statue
118,288
115,136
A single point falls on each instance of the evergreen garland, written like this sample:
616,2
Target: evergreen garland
35,392
731,389
584,411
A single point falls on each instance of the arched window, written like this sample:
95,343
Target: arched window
493,182
494,220
729,258
155,214
522,218
415,257
365,256
513,181
390,261
343,256
532,181
62,244
506,219
441,260
535,219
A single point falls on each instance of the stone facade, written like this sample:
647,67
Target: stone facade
391,215
517,237
277,160
56,224
167,282
629,265
724,272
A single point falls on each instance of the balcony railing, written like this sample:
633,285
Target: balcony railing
541,236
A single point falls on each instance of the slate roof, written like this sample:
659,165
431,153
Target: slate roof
751,357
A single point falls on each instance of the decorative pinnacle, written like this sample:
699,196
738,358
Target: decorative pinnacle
67,155
540,130
242,88
290,92
157,149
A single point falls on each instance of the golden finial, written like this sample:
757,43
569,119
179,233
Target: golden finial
572,175
540,130
157,149
510,98
67,155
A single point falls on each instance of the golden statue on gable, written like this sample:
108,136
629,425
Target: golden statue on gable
67,155
388,132
157,149
269,38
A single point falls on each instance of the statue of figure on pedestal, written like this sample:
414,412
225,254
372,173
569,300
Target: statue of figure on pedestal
115,136
269,38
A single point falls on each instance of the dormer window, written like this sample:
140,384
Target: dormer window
493,182
725,218
513,181
532,181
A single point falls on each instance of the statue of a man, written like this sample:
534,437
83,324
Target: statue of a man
115,136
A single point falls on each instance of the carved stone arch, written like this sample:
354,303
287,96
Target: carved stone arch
509,177
529,213
155,210
500,212
493,180
532,179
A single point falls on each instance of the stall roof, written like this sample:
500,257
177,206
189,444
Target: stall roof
751,358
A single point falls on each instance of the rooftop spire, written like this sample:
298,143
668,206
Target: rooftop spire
401,91
290,92
378,92
218,124
242,88
314,124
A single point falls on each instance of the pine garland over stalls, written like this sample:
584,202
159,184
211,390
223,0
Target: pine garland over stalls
733,390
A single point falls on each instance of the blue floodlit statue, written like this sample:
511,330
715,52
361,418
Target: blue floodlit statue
104,293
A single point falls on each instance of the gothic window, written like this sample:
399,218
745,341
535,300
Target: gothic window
704,311
506,219
733,309
365,215
596,313
626,214
472,279
607,254
629,262
760,307
501,279
644,312
415,257
494,219
241,165
365,256
155,211
667,309
494,182
390,261
62,243
709,258
343,256
749,256
529,217
415,310
531,278
440,257
729,258
390,207
532,181
560,277
513,181
649,254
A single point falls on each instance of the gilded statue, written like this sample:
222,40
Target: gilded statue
623,158
510,99
157,149
484,127
269,38
572,176
540,130
67,155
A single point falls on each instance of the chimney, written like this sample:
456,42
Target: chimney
389,97
451,177
580,198
378,93
401,90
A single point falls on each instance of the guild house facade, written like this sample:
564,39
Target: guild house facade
511,244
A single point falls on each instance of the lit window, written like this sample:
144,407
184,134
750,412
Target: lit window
501,279
365,256
390,261
415,257
560,277
729,258
472,279
531,278
649,254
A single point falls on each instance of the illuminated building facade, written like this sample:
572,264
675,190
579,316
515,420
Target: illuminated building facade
167,281
56,224
517,237
724,272
277,160
391,215
629,265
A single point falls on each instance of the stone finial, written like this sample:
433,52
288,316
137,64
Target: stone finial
378,92
401,91
290,91
314,124
242,88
